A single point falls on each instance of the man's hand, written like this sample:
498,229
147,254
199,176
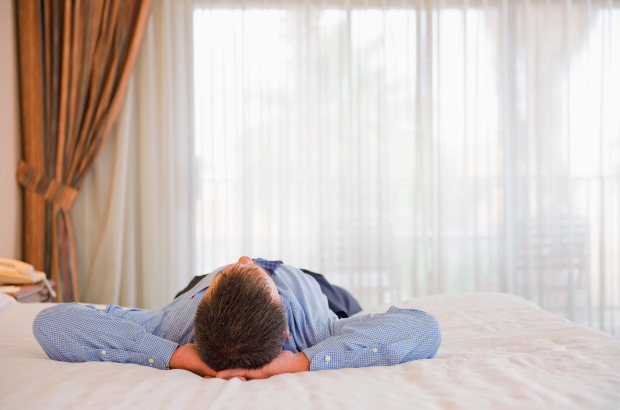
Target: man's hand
286,362
186,358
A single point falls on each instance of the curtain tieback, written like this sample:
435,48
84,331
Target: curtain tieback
51,189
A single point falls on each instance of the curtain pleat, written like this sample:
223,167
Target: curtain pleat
75,59
134,218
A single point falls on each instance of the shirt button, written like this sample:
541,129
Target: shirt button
374,350
103,352
327,358
151,361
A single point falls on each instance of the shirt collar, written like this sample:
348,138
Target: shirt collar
269,266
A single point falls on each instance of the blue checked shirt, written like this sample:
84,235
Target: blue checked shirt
79,333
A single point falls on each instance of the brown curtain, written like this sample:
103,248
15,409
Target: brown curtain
75,60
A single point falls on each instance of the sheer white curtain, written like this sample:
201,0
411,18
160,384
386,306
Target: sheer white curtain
407,148
134,219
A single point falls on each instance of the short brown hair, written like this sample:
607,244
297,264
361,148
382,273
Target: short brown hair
238,325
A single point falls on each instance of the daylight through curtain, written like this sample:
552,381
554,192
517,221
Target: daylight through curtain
415,147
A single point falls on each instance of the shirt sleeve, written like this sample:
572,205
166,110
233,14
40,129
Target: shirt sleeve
398,336
81,333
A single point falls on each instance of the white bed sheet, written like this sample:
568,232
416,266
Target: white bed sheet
498,351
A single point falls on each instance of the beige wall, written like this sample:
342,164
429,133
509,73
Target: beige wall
10,196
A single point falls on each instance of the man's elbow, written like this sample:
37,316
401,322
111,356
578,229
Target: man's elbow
432,336
41,322
48,322
426,335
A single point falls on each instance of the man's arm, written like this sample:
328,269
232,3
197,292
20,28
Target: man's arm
78,333
394,337
398,336
81,333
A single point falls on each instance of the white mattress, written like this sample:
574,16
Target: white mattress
498,351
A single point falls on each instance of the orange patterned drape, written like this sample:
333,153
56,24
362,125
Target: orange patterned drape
75,60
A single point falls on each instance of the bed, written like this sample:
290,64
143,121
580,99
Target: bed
498,351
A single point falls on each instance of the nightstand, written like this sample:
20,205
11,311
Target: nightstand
31,293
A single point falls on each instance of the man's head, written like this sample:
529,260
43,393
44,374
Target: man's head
240,323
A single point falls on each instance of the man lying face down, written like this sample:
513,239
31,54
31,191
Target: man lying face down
249,320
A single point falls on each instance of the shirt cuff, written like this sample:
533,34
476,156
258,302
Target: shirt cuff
158,349
321,359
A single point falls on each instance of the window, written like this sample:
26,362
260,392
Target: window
405,151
